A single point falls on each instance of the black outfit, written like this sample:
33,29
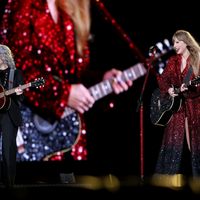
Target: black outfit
10,120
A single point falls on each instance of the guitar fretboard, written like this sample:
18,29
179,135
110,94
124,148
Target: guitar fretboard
11,91
193,82
104,88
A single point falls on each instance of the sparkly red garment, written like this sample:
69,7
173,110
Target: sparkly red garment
169,161
43,49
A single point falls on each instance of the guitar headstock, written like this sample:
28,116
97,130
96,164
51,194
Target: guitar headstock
159,53
38,82
195,81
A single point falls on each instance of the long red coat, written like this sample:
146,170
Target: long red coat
170,157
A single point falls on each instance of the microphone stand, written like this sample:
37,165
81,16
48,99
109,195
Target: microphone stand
140,108
142,58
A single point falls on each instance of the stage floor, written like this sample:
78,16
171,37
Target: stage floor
96,187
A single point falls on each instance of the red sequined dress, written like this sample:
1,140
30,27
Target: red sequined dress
45,49
171,154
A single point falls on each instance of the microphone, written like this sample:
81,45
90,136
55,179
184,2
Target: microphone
153,49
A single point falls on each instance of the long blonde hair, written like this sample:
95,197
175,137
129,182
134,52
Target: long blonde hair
192,46
79,11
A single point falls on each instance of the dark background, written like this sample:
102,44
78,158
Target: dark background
114,134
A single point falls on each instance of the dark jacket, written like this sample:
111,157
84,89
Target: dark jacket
13,101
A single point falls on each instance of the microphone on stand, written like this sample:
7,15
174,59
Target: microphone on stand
153,49
152,55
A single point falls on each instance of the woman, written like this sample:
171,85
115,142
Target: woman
10,115
181,138
50,38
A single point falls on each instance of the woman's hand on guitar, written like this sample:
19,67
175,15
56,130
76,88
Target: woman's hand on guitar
80,98
183,87
118,84
171,92
18,91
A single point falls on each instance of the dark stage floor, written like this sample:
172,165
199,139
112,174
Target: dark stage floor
96,188
79,179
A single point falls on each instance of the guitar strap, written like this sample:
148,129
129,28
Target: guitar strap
188,75
11,78
185,80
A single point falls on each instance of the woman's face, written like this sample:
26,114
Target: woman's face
179,46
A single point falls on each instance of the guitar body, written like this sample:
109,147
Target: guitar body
5,101
41,140
162,109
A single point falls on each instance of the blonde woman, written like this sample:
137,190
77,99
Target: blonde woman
180,152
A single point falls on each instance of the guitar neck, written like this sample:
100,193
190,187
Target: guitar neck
11,91
193,82
104,88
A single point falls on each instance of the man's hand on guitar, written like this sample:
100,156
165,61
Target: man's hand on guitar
18,91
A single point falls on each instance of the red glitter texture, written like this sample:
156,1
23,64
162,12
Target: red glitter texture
42,48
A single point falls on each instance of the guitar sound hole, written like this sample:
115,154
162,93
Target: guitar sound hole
42,125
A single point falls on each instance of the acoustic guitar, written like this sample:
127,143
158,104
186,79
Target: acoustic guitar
162,109
4,94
